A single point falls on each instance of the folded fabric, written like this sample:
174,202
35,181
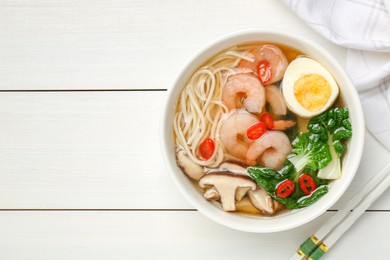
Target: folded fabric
362,26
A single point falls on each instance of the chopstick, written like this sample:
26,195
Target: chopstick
326,236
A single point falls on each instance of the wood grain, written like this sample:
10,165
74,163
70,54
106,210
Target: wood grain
96,150
98,44
167,235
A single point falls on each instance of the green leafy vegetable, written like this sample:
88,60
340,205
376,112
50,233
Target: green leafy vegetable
309,150
332,127
308,200
269,180
313,174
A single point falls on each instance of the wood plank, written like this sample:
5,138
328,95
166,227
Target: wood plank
82,150
91,150
169,235
122,44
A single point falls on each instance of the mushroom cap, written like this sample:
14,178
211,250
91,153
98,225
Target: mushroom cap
262,201
189,167
226,184
234,168
229,178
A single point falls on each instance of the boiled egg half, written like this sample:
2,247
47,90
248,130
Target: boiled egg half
308,88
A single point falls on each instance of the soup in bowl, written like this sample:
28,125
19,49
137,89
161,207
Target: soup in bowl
262,131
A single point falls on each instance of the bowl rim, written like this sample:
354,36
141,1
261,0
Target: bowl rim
208,209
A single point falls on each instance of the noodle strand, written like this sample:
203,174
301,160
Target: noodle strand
200,109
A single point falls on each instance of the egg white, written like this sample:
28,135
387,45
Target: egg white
296,70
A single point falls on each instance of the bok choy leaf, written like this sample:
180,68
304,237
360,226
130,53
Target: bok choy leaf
332,127
309,150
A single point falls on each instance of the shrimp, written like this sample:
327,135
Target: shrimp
233,133
283,124
275,57
244,90
274,98
270,150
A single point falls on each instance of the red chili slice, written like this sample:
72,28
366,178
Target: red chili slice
264,71
307,184
207,148
268,120
285,188
256,131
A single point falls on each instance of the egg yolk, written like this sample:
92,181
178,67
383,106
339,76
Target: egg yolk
312,91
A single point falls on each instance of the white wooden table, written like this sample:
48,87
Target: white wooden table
81,177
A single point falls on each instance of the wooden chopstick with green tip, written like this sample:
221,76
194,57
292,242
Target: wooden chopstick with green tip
317,245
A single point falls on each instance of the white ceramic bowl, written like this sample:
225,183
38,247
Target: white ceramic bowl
293,218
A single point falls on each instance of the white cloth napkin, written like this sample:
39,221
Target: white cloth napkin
363,26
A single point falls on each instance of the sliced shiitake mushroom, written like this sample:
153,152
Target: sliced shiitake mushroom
190,168
226,184
211,194
262,201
